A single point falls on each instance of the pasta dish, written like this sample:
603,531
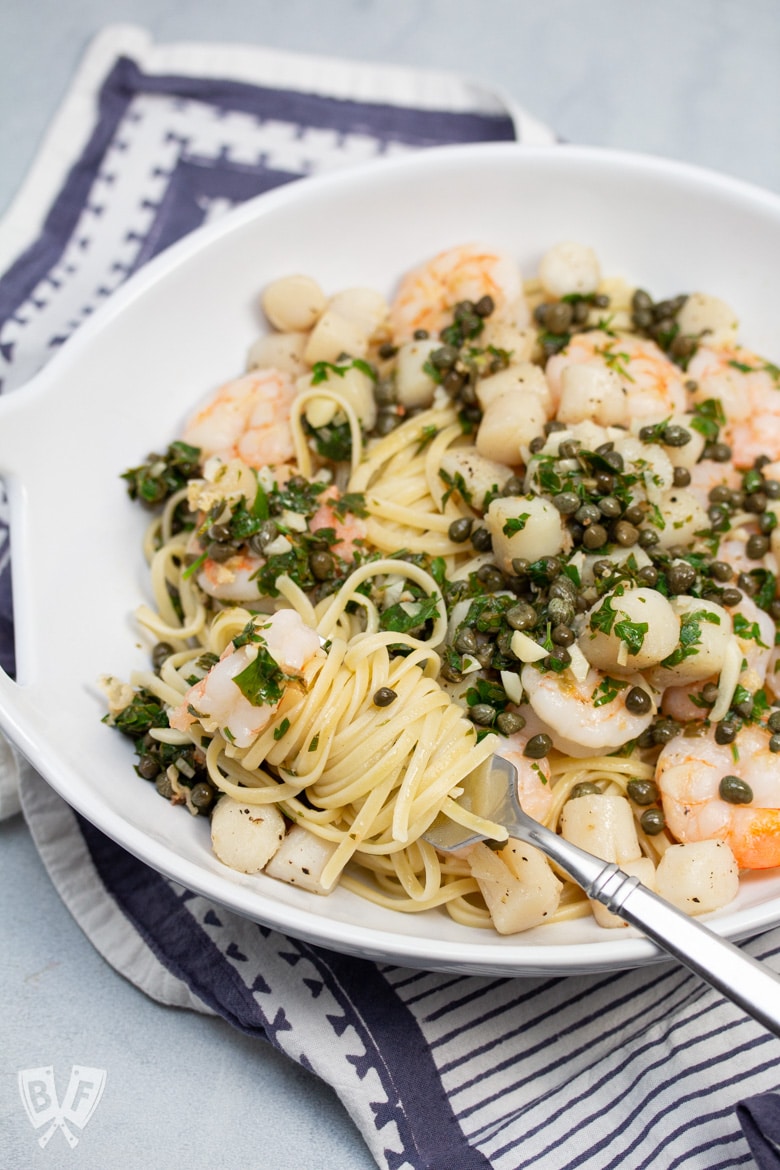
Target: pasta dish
527,516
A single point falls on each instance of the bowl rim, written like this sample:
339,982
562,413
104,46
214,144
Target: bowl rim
517,959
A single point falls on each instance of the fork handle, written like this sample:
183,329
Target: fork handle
741,978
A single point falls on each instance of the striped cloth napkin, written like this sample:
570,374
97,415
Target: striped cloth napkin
644,1068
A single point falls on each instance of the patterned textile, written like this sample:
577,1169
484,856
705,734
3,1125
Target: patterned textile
639,1068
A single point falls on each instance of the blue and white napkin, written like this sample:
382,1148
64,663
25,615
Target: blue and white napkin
645,1068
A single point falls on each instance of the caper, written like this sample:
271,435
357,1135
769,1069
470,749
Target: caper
735,790
387,350
719,494
774,743
718,452
648,538
773,722
567,503
709,694
681,477
568,448
453,382
466,641
561,611
520,566
522,616
549,567
460,529
538,746
652,821
444,358
587,514
595,536
509,722
220,552
148,767
638,702
662,326
603,568
584,788
484,306
160,652
648,576
202,796
564,588
491,577
772,488
683,346
730,597
482,714
610,507
614,460
641,300
562,635
163,785
642,791
536,444
322,566
721,571
553,425
725,732
625,534
675,436
605,483
558,317
420,334
747,584
680,577
635,514
384,696
481,539
664,731
757,546
767,523
514,486
386,421
756,502
267,533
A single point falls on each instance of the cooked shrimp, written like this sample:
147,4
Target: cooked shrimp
583,718
233,579
749,390
653,385
689,772
707,474
248,419
427,295
754,631
217,698
534,788
349,528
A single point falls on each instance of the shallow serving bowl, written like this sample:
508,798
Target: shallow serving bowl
122,387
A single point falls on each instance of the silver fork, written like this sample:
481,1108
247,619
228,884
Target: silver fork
493,794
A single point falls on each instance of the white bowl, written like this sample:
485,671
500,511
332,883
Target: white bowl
123,385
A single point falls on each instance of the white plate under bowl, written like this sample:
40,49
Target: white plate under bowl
123,385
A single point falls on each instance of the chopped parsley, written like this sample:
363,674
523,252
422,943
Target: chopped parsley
607,690
516,524
321,371
154,481
690,636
